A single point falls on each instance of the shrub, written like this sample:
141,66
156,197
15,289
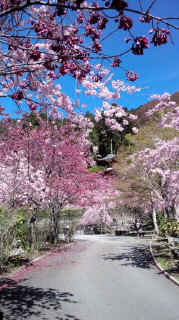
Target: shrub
169,228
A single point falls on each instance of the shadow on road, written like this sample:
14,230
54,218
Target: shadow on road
19,302
136,256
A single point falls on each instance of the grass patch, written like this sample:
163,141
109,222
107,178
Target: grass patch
165,258
97,168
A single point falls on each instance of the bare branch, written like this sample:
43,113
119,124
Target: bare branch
151,5
75,8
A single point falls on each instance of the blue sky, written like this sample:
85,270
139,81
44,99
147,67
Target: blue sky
158,68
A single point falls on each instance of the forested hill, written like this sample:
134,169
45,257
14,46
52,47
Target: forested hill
141,111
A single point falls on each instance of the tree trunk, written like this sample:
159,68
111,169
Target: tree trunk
33,235
176,212
154,219
54,226
165,213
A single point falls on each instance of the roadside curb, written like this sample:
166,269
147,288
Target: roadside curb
30,263
160,268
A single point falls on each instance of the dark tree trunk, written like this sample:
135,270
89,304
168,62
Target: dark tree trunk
33,235
54,216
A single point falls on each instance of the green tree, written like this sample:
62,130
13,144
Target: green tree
107,140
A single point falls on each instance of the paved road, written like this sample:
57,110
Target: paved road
102,278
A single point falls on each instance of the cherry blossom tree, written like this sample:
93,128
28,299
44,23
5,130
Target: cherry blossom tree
158,166
157,178
97,215
48,166
148,177
164,159
19,183
170,109
104,198
140,192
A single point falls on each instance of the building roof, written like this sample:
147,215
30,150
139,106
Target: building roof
108,157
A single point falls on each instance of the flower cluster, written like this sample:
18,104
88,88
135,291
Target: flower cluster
60,9
140,44
9,4
35,54
18,95
33,106
102,23
94,17
116,62
146,18
96,47
115,117
132,76
160,36
126,23
118,5
43,29
2,109
92,32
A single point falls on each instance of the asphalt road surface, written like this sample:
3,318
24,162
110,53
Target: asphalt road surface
99,278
